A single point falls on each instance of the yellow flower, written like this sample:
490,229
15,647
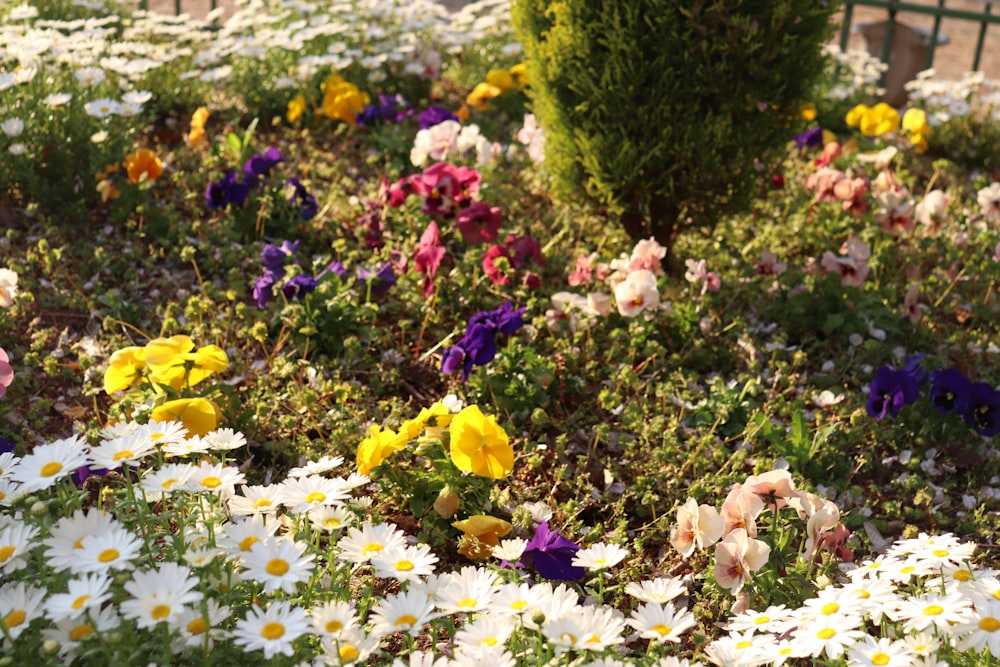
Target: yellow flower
198,120
915,122
342,100
479,98
434,418
479,445
480,534
880,119
143,162
172,362
519,73
199,415
108,190
853,118
808,111
124,368
377,447
296,107
500,79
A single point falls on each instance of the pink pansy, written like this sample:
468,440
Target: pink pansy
698,526
911,304
436,142
823,181
599,303
584,271
697,271
895,212
931,210
439,186
496,263
853,269
831,151
768,265
774,485
648,255
479,222
524,250
469,181
851,191
428,258
396,194
636,293
6,372
741,509
736,557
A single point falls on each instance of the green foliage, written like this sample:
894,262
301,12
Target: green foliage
658,108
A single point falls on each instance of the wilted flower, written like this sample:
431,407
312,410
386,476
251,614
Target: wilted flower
428,257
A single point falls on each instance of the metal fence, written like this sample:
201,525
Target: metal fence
932,39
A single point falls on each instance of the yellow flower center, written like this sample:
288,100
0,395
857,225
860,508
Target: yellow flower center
662,630
277,567
996,594
518,604
989,624
78,544
348,652
108,555
467,603
334,626
80,631
263,502
406,619
933,610
826,633
15,618
489,641
167,484
940,553
331,523
197,626
863,594
568,638
787,650
761,620
593,639
315,497
247,542
123,454
51,468
880,659
272,631
744,644
6,552
160,612
830,608
211,482
907,570
372,548
80,601
404,566
962,575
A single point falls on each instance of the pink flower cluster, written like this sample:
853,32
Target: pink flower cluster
833,185
738,553
851,264
503,263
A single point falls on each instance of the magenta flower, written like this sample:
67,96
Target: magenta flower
479,222
430,252
6,372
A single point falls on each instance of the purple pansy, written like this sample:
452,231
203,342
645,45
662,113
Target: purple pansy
950,391
552,555
434,115
890,391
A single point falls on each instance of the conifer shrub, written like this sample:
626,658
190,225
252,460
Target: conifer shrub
657,109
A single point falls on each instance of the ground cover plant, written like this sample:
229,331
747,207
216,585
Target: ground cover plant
300,363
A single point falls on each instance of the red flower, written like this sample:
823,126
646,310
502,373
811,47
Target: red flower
496,270
479,222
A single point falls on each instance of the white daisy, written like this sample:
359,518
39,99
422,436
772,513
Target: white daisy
85,594
239,536
101,107
404,563
112,550
20,604
272,630
125,450
324,464
304,493
160,595
46,464
195,624
661,622
599,557
70,632
216,478
351,647
330,519
16,541
65,540
279,563
656,590
167,479
333,617
359,545
407,611
257,500
224,440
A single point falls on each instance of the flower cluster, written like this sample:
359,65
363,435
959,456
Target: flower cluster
342,100
233,191
498,82
450,140
739,553
518,252
389,109
479,344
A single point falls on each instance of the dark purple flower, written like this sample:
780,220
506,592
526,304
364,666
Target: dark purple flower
811,138
434,115
260,165
391,108
80,475
913,368
552,555
983,410
301,198
6,446
298,286
262,289
226,191
335,267
950,391
890,391
382,279
452,359
274,258
479,346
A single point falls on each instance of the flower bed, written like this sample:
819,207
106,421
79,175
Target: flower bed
299,362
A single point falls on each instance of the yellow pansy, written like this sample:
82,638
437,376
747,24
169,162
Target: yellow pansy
124,368
435,418
808,111
143,165
172,362
479,445
342,100
199,415
880,119
377,447
296,107
519,73
480,534
197,133
501,79
479,98
853,118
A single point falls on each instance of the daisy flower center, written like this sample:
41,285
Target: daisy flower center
518,604
568,637
277,567
406,619
467,603
348,652
940,553
197,626
15,618
761,620
830,608
372,548
404,566
662,630
331,523
272,631
80,631
50,468
160,612
169,483
6,552
263,502
80,601
826,633
247,542
489,641
315,497
742,644
933,610
123,454
334,626
962,575
989,624
108,555
211,482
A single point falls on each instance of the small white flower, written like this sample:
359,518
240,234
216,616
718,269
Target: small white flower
12,127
